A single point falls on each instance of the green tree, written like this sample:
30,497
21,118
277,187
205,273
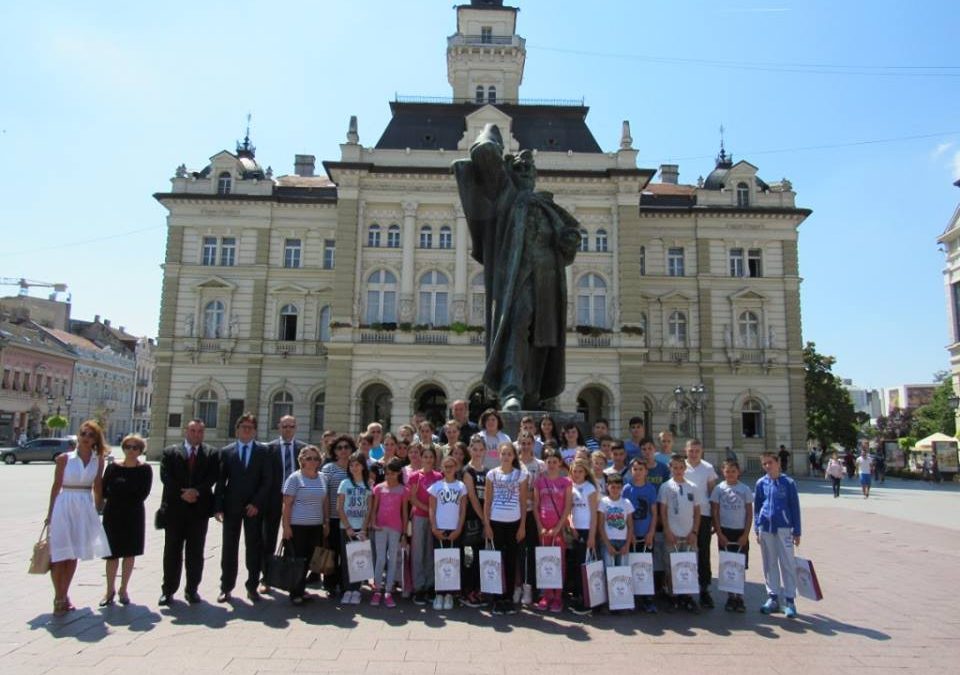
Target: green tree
937,415
830,414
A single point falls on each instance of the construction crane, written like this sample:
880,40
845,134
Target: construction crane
26,284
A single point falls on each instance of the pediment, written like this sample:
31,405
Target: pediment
675,296
215,283
484,115
741,169
296,289
223,156
747,295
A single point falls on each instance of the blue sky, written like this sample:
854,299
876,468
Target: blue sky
855,102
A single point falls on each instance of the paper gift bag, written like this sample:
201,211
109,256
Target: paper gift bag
359,560
492,578
594,582
620,587
40,560
405,571
808,586
446,569
683,573
323,560
731,574
641,570
549,567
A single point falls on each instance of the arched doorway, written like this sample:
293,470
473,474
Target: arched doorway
593,403
479,401
432,401
376,405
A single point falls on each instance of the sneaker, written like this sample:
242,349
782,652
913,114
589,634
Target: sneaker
791,610
731,604
346,598
448,601
580,610
543,604
691,605
741,606
438,602
498,609
388,601
357,598
375,600
673,604
511,608
649,606
556,605
770,606
527,595
706,600
517,594
419,598
472,600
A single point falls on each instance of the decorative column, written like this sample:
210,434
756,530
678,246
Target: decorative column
459,305
407,271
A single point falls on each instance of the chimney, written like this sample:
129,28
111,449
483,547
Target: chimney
96,318
303,165
669,173
106,322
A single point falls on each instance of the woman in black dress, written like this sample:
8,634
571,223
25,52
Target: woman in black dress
125,487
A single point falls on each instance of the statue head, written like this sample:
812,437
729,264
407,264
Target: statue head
522,170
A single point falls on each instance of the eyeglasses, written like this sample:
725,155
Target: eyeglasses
88,434
342,446
310,459
138,448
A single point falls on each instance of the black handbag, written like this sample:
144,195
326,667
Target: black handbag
160,517
287,570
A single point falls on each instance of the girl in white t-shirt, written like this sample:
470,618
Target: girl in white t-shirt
448,509
583,519
504,511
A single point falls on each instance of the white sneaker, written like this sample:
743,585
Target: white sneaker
527,594
356,599
346,598
438,602
448,601
517,594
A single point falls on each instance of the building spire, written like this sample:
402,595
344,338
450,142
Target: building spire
723,159
246,149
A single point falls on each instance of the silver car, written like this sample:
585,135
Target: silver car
39,449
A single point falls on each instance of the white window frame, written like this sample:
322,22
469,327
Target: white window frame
214,318
754,266
445,240
373,236
381,297
676,261
601,241
285,332
584,240
748,329
743,195
224,183
329,254
433,299
208,251
592,301
393,236
736,259
292,253
677,334
206,408
753,408
281,405
228,251
426,237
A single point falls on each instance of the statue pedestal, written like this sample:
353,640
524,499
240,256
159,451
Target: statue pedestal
511,420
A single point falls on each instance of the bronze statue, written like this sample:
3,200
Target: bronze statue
523,240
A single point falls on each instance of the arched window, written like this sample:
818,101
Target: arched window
213,315
324,331
479,96
446,237
376,403
280,406
433,299
677,329
393,236
381,297
224,183
743,195
592,301
288,322
749,329
478,295
584,240
601,240
751,419
426,237
491,94
319,406
373,236
206,408
643,261
643,325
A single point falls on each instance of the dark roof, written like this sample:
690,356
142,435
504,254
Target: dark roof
431,126
487,4
663,195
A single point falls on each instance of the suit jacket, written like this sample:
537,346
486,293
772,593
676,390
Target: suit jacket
176,476
275,496
241,485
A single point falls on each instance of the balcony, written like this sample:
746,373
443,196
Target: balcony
595,341
377,336
210,345
459,40
430,337
287,348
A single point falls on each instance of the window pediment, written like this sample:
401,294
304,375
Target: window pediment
747,295
215,284
295,289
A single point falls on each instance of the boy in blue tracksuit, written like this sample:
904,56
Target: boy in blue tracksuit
776,508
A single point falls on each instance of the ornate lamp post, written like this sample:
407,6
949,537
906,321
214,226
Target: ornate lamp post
693,400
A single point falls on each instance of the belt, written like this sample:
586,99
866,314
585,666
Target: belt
75,487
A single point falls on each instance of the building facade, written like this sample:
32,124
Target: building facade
145,362
950,244
352,296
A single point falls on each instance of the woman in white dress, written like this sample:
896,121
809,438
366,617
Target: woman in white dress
76,495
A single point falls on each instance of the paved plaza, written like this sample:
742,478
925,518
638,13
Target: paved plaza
888,567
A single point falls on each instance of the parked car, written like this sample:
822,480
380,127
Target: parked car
39,449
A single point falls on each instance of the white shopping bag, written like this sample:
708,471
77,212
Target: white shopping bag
549,567
359,560
620,587
641,570
683,573
731,575
808,586
594,581
446,569
491,570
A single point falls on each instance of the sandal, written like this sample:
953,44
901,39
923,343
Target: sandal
108,599
58,608
67,605
124,598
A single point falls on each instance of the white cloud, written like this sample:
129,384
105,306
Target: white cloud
940,149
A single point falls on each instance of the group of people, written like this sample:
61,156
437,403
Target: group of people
465,485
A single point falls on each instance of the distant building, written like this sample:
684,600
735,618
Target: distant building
906,397
143,394
47,313
864,400
950,241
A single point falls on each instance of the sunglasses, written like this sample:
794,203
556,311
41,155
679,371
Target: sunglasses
88,434
310,459
138,448
342,446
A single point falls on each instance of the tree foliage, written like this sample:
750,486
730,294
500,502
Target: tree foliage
830,414
937,415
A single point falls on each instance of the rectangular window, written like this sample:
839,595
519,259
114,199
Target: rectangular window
755,262
291,253
736,262
209,255
6,378
329,253
954,288
486,34
228,251
26,382
174,420
675,262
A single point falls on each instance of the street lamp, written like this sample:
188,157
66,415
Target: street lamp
696,403
678,395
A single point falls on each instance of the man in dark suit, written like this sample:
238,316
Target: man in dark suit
246,473
460,409
283,456
188,472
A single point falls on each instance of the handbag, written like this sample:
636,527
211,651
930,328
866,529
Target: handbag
287,570
40,560
160,517
323,560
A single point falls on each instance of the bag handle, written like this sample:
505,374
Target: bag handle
590,557
43,531
488,544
